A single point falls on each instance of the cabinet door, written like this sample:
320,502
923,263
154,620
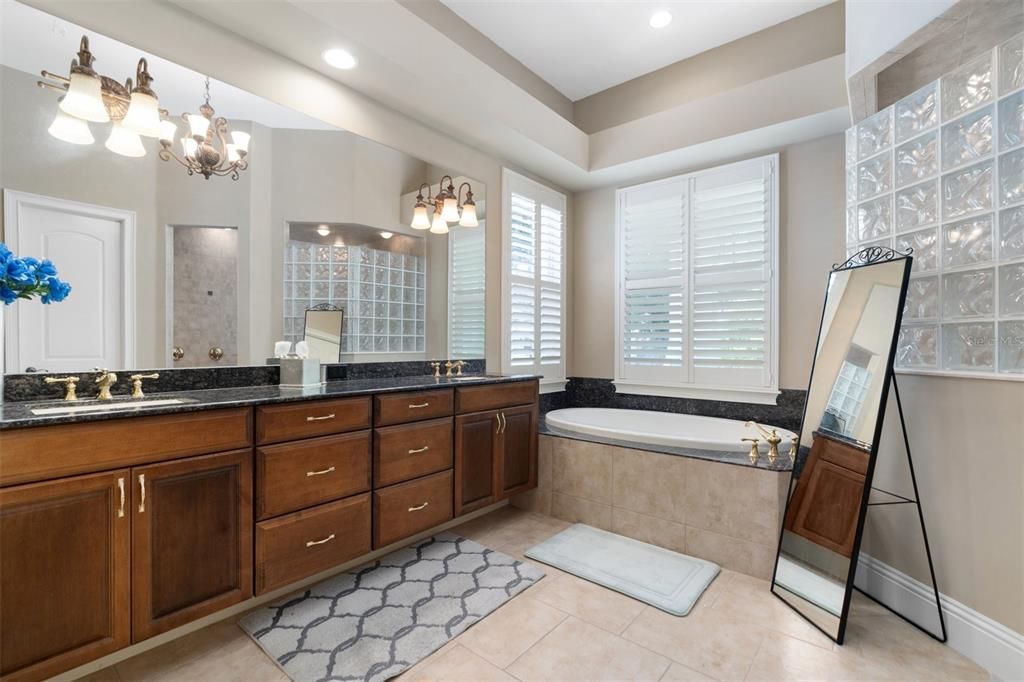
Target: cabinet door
64,573
476,451
191,539
517,465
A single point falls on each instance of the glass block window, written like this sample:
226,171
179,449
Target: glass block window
381,292
942,172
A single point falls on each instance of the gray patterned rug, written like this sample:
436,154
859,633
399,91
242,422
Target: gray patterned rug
374,622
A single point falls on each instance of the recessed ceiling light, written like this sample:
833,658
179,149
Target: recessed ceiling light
339,58
661,19
323,230
387,235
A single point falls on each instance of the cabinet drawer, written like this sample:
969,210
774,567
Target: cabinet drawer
409,508
277,423
496,396
401,453
299,545
399,408
291,476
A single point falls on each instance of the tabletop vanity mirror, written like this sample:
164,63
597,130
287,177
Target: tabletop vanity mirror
846,402
171,269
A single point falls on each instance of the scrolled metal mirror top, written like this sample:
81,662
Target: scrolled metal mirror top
843,414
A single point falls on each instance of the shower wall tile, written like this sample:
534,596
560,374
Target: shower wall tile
1011,233
918,346
967,191
925,247
970,293
874,134
1011,289
968,346
922,299
967,242
874,176
1011,178
1011,121
874,218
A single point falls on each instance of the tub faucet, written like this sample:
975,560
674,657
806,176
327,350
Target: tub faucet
772,438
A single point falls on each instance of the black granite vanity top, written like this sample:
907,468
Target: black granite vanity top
19,414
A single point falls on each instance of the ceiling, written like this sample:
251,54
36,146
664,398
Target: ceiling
584,47
32,40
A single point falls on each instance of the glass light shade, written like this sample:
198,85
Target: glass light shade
189,146
233,156
70,129
241,140
450,211
198,125
125,142
168,131
143,115
439,226
468,218
84,99
420,221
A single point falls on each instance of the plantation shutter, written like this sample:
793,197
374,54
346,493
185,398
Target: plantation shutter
466,291
535,249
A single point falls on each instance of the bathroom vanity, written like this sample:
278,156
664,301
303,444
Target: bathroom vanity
117,528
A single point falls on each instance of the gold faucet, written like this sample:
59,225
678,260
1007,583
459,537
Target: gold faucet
105,379
448,368
69,385
458,365
137,383
772,438
754,454
437,369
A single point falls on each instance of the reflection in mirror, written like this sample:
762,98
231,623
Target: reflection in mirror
170,269
322,332
845,401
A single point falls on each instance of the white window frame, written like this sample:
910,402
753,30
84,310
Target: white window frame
553,378
765,395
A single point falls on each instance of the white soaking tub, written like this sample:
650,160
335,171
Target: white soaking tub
662,428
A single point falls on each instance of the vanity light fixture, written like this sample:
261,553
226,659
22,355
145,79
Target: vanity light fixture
206,150
89,97
339,58
661,18
448,208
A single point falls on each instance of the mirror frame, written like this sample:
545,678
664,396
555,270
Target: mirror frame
325,308
867,257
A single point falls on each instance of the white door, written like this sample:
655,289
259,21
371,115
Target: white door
93,249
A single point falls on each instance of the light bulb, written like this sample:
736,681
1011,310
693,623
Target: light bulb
387,235
198,125
125,142
450,212
189,146
143,115
439,226
84,99
241,141
468,218
168,131
420,221
70,129
323,230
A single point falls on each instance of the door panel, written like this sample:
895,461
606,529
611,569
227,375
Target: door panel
476,443
64,574
192,539
518,465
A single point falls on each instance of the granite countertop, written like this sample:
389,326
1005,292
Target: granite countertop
19,414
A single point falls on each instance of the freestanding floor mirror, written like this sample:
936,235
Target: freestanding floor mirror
832,475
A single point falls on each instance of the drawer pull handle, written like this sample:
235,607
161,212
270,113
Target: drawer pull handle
422,506
418,406
321,472
419,450
312,543
120,489
142,490
320,419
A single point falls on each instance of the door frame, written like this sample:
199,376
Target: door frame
13,202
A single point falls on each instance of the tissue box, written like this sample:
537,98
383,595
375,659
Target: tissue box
300,372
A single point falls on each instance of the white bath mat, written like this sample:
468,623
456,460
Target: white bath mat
657,576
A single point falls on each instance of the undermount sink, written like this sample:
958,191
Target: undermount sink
107,406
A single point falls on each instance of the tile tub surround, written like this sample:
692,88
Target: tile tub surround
727,514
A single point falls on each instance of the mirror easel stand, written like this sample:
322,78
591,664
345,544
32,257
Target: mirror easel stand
916,501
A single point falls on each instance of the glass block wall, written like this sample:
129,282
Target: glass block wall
942,171
381,292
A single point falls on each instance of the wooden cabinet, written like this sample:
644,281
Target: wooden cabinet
399,408
65,586
476,449
192,546
404,452
412,507
517,467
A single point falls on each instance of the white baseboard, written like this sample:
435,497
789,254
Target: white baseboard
988,643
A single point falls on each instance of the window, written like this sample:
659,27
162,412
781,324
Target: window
697,294
466,288
534,292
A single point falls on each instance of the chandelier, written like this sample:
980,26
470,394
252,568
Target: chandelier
206,149
89,97
448,207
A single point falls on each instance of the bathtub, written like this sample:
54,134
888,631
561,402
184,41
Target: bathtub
661,428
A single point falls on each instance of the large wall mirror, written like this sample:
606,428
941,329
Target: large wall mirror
170,269
828,495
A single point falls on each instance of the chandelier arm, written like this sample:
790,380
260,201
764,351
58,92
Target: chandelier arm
451,186
469,193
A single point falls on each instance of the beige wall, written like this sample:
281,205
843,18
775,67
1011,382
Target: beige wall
811,201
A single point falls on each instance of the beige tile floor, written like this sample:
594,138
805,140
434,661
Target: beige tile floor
565,628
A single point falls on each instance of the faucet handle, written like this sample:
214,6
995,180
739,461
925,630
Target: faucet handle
754,454
437,369
448,368
69,385
137,383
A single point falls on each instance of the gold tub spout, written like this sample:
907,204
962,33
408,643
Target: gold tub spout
772,438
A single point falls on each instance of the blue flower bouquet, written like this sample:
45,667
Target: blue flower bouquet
29,277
